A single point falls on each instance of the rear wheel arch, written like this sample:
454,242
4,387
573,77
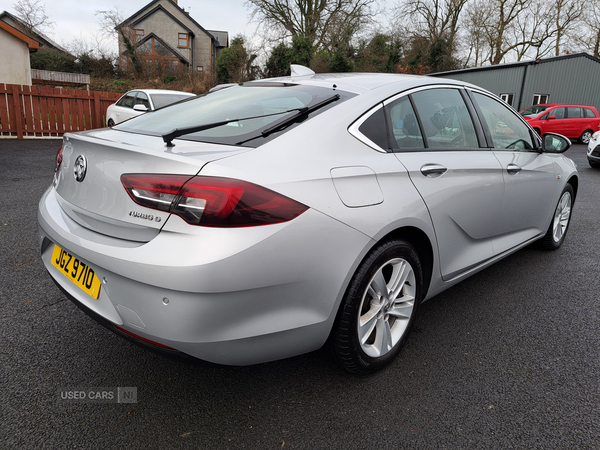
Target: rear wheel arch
420,241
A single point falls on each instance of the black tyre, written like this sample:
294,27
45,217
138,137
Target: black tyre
585,137
110,123
379,308
560,221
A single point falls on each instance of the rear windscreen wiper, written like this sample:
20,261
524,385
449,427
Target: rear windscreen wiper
177,132
288,120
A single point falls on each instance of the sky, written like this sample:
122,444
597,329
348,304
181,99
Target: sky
76,19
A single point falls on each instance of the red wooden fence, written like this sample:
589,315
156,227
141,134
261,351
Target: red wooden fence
42,111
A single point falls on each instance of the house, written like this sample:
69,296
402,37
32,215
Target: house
167,40
43,40
15,47
569,79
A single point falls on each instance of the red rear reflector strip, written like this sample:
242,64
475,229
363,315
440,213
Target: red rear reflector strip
142,339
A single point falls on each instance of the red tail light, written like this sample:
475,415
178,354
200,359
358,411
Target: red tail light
58,159
211,201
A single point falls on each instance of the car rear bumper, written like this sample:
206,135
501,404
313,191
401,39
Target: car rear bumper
248,296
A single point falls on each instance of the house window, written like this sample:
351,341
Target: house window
139,34
540,99
200,68
508,98
183,40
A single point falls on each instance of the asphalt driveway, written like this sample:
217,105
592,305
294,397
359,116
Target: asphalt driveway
508,359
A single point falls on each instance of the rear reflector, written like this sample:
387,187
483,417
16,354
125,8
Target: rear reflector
58,160
211,201
141,338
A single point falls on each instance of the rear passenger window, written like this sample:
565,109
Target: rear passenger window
404,125
506,129
445,119
574,113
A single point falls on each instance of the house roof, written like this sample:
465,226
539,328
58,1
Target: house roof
133,19
518,64
221,38
31,43
34,34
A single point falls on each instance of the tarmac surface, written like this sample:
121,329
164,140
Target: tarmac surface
510,358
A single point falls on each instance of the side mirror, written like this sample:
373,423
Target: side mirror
555,143
551,117
140,107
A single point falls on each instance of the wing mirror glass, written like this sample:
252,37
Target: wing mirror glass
555,143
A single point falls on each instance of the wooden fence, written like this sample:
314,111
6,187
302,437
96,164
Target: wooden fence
42,111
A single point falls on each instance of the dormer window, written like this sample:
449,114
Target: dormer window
184,40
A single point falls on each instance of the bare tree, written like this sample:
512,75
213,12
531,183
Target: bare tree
33,14
315,19
587,32
434,19
567,13
110,21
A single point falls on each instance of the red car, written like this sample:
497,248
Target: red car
572,121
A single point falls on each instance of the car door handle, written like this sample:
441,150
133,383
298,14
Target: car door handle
433,170
513,169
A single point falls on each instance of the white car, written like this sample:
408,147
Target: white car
139,101
593,153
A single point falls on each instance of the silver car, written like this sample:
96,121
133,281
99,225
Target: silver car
270,218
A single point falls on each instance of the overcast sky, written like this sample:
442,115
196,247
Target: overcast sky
75,19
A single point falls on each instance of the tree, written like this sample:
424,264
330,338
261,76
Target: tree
317,20
300,52
340,62
234,64
434,19
587,33
278,64
33,14
379,54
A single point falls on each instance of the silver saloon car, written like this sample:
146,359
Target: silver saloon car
270,218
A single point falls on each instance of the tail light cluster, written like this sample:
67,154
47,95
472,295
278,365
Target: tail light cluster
211,201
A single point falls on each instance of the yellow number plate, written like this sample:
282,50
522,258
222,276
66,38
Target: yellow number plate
77,271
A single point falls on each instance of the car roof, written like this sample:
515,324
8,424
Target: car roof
364,82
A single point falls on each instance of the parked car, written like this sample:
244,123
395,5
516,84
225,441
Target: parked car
572,121
139,101
593,153
268,219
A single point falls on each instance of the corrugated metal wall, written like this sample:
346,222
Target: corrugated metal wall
569,81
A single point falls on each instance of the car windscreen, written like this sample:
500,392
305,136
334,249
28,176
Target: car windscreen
258,106
534,111
160,100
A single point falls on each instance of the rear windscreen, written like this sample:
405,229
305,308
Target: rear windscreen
258,106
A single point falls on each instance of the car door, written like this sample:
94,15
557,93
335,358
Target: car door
435,138
529,176
557,125
124,107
